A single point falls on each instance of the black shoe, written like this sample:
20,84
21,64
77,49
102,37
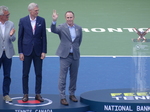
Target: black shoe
25,98
64,102
39,98
73,98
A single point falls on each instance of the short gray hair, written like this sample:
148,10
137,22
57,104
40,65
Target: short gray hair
32,6
2,9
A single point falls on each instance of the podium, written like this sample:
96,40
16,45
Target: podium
51,104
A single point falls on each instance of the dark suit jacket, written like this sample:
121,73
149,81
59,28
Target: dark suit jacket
27,41
66,42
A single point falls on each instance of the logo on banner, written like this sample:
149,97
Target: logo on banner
131,96
17,101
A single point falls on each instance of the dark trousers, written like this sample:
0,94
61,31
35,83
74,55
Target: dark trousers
6,69
37,62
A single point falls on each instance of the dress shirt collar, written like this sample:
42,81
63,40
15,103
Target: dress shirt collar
31,19
71,26
2,23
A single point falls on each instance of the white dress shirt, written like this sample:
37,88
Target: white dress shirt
2,28
33,24
73,35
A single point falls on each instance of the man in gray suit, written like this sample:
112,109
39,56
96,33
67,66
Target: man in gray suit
6,49
70,36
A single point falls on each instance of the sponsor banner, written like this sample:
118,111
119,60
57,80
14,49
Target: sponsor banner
131,96
127,108
35,110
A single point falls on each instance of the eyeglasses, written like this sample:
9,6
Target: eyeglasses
6,15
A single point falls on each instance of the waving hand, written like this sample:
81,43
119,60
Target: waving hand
55,15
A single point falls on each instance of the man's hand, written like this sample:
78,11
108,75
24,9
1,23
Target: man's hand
43,55
12,32
21,56
55,15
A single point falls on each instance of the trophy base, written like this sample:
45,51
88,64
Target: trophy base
141,40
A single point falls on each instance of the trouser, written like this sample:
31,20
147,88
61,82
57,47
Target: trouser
37,62
71,65
6,62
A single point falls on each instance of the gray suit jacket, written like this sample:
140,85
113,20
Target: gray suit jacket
66,41
7,40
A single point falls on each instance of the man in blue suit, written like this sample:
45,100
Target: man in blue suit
32,46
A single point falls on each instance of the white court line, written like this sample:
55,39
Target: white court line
97,56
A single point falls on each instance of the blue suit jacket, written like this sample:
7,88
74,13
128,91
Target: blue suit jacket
27,41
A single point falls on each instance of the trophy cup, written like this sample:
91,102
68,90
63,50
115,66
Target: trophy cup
141,34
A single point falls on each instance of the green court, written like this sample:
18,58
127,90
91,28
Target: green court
107,24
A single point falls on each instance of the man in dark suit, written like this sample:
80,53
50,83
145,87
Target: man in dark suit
70,36
7,36
32,46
